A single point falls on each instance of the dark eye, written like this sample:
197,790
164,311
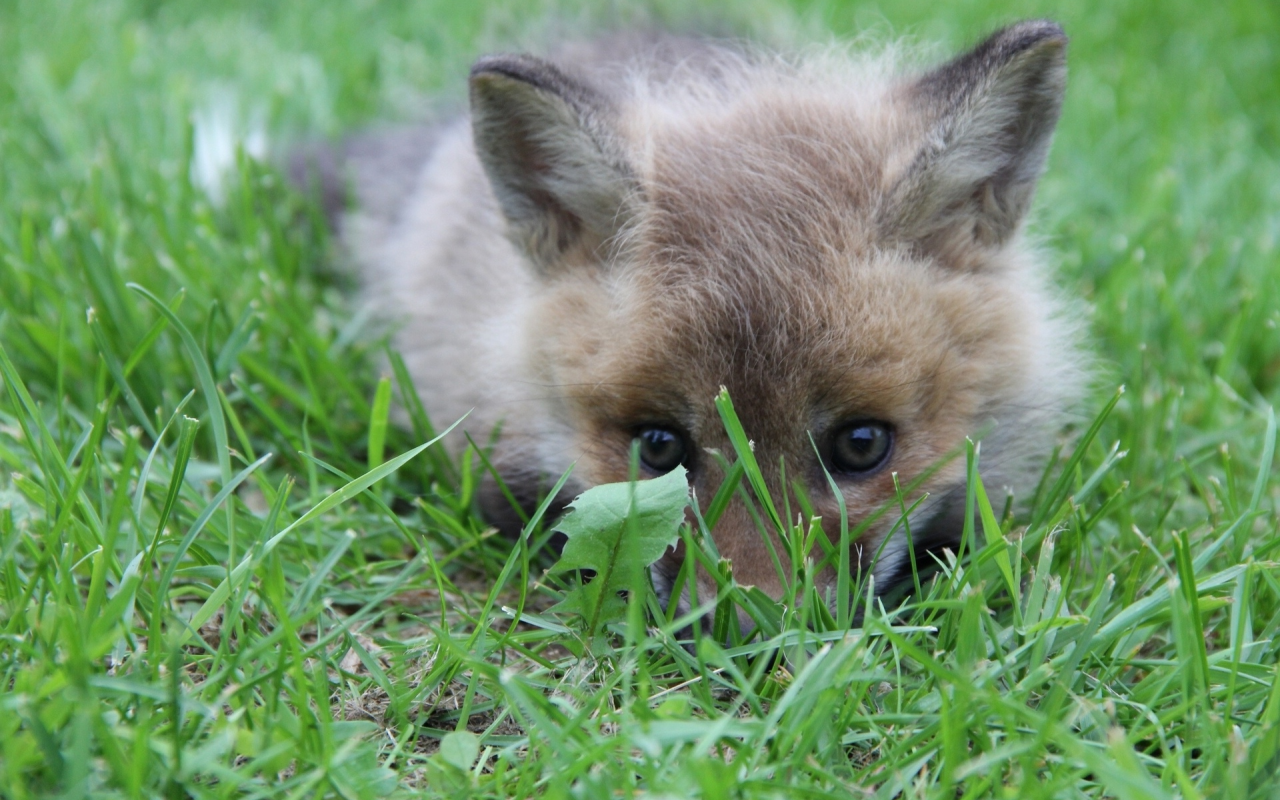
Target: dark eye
661,449
861,446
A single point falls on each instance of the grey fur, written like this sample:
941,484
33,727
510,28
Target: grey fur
616,232
992,114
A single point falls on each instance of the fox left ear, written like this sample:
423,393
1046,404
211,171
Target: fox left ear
543,138
989,117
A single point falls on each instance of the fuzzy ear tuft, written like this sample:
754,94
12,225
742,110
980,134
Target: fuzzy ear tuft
989,117
543,140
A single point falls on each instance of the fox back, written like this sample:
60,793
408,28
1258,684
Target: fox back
612,235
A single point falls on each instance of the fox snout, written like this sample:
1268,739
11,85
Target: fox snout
757,546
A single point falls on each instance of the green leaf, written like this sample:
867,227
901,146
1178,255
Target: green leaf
618,530
378,421
208,386
460,748
997,545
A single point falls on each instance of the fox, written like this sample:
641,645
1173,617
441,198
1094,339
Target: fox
611,234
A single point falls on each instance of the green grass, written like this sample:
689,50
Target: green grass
200,596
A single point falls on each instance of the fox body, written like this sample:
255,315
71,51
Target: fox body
612,235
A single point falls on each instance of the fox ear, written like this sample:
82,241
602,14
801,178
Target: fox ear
542,139
988,120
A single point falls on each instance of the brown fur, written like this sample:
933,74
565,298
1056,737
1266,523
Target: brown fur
610,239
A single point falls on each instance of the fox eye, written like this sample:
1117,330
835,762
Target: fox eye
861,446
661,449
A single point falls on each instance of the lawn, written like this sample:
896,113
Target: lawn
226,570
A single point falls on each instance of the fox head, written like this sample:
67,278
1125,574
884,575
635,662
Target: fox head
837,245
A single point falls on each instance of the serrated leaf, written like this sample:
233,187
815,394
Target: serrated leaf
618,530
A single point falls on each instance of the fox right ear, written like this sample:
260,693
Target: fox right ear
988,119
542,139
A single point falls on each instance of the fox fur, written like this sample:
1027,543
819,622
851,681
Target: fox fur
613,234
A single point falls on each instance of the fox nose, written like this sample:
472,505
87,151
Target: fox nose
757,557
700,596
745,554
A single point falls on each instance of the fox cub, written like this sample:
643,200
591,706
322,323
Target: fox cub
613,234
